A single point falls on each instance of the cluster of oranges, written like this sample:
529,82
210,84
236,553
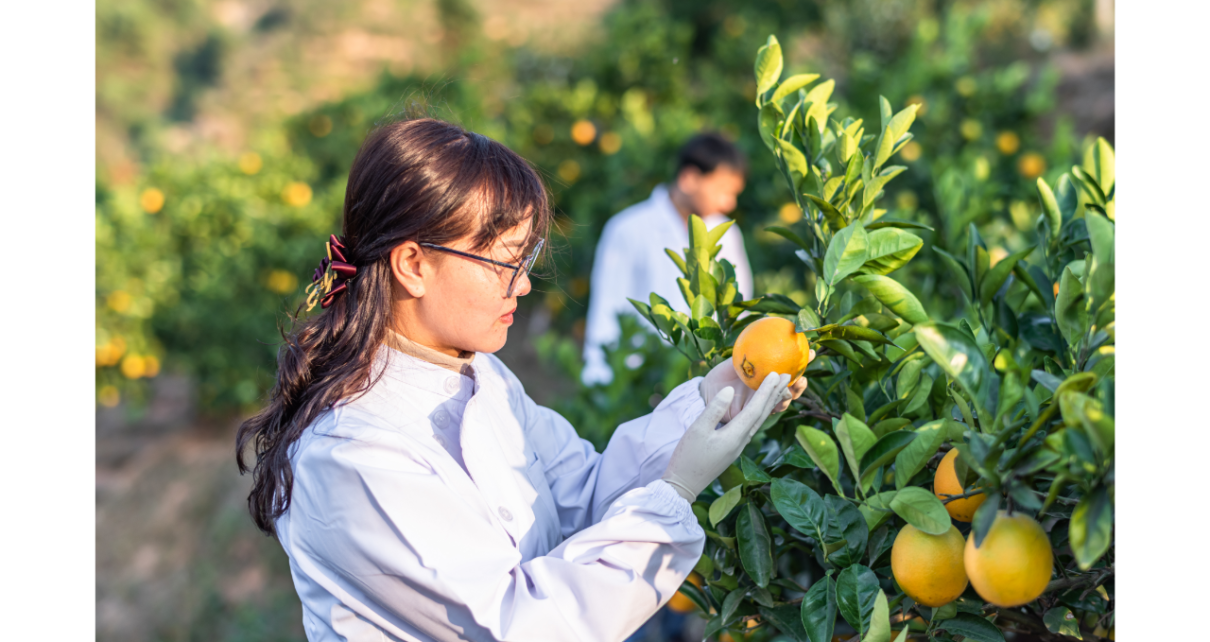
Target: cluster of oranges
1010,568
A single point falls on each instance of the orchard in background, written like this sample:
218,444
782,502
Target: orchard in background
912,426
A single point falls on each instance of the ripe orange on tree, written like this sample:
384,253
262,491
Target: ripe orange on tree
1013,565
945,482
929,568
770,345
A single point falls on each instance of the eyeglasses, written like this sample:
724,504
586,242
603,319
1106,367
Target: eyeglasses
526,264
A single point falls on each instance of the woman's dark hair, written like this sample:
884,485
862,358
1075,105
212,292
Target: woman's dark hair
422,180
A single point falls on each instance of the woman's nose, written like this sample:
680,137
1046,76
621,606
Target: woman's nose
523,285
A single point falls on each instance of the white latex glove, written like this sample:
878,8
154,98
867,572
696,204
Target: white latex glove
705,450
724,376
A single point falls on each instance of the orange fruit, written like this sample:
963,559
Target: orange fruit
680,602
1013,565
945,482
929,568
770,345
1031,165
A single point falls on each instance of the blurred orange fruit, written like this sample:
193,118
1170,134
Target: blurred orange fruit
1008,143
250,163
1013,565
770,345
151,200
945,482
1031,165
680,602
610,143
296,194
583,132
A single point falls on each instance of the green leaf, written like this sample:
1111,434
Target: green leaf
956,354
1060,620
856,590
731,603
679,260
795,161
701,308
856,333
768,67
921,509
880,621
769,123
885,449
833,215
840,347
807,320
1050,207
715,235
876,509
889,249
1091,529
801,507
887,221
786,619
1069,307
975,628
846,253
915,456
1068,198
721,507
850,527
894,296
965,279
999,274
1088,184
790,236
752,471
823,451
984,517
792,84
1100,236
1099,163
755,545
855,439
818,612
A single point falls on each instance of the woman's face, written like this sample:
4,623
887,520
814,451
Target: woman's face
460,303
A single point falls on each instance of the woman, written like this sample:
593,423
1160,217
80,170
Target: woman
419,492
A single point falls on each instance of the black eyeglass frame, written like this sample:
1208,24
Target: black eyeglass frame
526,264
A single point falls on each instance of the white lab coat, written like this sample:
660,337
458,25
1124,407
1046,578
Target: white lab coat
441,507
630,263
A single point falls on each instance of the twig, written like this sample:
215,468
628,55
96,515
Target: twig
970,493
1092,580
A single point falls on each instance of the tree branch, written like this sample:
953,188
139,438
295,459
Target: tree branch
1091,580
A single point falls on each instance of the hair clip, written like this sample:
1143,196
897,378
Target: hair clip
331,278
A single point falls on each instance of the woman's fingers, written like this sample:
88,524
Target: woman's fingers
717,408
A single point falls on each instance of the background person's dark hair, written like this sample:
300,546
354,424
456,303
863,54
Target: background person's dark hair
708,150
420,179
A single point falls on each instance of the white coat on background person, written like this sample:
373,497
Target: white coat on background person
631,263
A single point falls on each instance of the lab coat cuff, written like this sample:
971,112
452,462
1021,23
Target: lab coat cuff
667,501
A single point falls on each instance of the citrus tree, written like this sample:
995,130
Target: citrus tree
952,478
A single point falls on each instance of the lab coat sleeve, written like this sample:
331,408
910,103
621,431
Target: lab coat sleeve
379,530
609,285
584,483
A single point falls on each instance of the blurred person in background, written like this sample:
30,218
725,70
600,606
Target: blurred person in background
418,491
630,261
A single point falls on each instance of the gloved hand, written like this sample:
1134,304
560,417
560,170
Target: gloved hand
705,450
724,376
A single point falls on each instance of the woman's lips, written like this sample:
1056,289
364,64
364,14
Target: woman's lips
507,319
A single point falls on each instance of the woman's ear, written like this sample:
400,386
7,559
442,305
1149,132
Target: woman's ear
409,268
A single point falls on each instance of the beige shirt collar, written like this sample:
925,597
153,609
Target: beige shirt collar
460,364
